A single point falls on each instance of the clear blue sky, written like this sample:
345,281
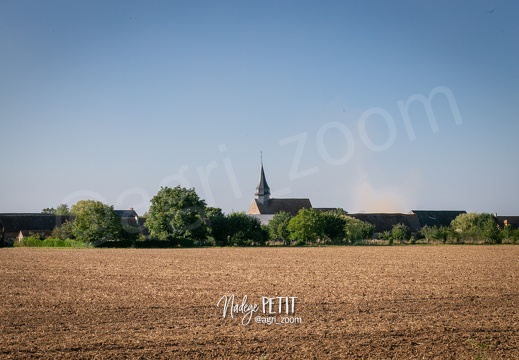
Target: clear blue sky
112,99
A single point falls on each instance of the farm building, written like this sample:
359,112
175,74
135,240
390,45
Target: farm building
436,218
18,225
385,222
15,225
415,220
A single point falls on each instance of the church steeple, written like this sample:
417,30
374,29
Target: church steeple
262,190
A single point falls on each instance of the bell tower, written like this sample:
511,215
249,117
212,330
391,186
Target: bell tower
262,190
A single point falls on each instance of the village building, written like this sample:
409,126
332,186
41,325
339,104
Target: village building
264,207
16,226
414,220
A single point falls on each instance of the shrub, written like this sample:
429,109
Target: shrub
34,241
186,242
400,232
31,240
358,230
441,233
209,242
509,235
64,231
68,243
385,235
119,244
477,227
428,232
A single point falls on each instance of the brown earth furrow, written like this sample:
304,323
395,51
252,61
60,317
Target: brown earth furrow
448,302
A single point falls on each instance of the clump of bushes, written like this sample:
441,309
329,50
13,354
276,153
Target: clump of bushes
474,227
509,235
439,233
34,240
399,232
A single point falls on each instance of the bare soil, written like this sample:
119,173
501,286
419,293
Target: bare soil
448,302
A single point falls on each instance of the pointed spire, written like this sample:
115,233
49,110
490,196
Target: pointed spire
263,189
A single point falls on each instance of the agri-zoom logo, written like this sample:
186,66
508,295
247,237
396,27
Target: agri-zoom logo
277,310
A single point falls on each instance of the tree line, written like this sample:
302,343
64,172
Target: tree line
472,228
179,217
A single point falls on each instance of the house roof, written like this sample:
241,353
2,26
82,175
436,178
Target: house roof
17,222
130,213
292,206
14,222
437,217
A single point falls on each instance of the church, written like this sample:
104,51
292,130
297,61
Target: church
264,207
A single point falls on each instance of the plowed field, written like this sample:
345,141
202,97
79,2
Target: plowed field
449,302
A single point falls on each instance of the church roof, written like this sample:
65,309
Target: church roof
262,188
291,206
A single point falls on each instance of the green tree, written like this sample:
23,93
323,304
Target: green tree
332,226
443,233
95,222
400,232
278,227
80,206
177,213
62,209
244,230
305,227
357,229
218,226
477,226
428,232
64,231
